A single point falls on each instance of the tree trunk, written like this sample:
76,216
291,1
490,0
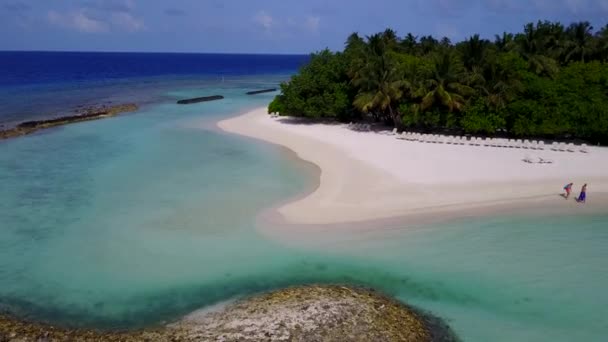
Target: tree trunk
394,116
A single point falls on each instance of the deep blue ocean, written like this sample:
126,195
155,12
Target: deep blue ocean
141,218
42,84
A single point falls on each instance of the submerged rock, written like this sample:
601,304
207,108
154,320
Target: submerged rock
86,114
200,99
255,92
307,313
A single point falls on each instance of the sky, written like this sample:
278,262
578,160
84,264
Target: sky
264,26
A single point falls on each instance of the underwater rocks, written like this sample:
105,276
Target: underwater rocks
307,313
84,114
200,99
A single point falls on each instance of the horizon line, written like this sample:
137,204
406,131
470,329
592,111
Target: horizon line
163,52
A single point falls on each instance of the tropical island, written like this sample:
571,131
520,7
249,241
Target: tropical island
549,81
514,116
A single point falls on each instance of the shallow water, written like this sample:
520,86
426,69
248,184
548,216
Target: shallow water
142,218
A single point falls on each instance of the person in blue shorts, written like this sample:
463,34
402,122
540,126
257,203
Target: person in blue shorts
583,195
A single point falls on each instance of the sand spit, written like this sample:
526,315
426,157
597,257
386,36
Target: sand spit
371,175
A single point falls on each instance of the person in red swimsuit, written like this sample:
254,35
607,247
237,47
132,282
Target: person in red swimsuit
568,189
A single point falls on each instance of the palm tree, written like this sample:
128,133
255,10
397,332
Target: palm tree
409,43
581,39
602,43
499,83
380,82
555,40
428,44
473,51
444,85
530,46
389,36
445,42
353,42
505,42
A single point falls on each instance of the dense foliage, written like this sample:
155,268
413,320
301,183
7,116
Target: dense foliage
548,81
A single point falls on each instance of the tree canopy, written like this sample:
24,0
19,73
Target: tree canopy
548,81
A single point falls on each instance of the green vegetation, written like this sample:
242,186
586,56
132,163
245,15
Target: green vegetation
548,81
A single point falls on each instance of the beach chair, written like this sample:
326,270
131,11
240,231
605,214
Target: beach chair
486,142
402,136
533,144
394,132
562,147
584,148
555,146
570,147
441,139
541,145
518,143
528,160
526,144
544,161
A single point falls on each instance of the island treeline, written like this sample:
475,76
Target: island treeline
548,81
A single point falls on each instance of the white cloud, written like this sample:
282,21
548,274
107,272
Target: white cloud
444,29
572,6
286,27
127,22
576,6
77,20
89,21
312,23
264,19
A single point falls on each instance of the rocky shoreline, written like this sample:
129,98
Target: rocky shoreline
85,114
306,313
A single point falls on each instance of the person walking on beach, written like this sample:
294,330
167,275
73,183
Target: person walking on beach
583,195
568,189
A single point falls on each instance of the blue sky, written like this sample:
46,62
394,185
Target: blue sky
263,26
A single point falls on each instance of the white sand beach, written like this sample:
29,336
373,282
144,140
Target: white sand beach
372,175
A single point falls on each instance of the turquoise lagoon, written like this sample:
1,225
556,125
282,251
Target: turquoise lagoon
140,219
